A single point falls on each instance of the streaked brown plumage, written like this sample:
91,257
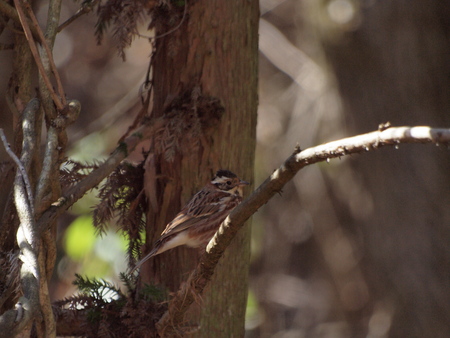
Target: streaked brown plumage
201,217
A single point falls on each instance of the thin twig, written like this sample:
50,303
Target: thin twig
86,7
35,53
44,43
202,274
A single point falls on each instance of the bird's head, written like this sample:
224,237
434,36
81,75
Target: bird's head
228,182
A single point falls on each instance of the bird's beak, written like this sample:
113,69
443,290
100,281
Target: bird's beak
243,183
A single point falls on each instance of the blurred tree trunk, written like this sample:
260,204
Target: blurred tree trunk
213,54
393,65
359,247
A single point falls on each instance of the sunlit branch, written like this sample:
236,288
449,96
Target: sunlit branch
200,277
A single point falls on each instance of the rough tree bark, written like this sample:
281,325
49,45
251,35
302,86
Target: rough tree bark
213,54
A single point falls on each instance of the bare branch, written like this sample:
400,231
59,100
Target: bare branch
35,53
86,7
50,164
200,277
51,34
53,14
29,144
19,164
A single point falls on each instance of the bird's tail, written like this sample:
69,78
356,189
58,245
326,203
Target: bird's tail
145,259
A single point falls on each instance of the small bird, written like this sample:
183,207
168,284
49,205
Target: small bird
201,217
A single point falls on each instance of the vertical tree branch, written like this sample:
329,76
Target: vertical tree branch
27,235
54,9
43,70
48,182
47,41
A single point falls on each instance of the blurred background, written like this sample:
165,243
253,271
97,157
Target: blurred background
358,247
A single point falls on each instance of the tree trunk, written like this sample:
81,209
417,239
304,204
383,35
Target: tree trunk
212,55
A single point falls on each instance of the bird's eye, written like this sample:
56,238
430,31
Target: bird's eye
229,182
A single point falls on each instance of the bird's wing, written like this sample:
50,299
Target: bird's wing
176,227
195,211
